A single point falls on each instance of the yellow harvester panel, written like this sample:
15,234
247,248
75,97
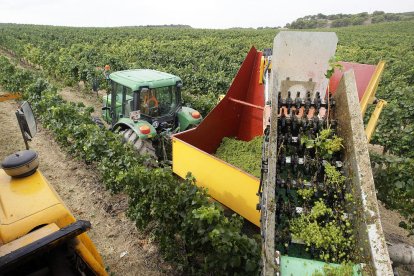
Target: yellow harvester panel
371,89
227,184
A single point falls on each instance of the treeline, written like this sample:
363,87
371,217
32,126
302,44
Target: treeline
343,20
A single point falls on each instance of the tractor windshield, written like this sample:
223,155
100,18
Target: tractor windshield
157,102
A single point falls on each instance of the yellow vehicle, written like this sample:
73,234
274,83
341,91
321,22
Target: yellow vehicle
38,234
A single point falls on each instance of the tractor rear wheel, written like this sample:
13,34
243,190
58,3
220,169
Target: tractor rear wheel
142,146
98,122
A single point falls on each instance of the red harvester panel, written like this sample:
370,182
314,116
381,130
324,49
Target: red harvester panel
363,74
231,118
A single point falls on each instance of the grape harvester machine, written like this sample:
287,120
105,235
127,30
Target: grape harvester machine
251,107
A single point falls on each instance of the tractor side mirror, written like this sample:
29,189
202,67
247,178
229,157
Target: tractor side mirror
27,122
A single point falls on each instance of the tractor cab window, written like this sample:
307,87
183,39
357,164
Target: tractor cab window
128,103
123,97
159,101
116,98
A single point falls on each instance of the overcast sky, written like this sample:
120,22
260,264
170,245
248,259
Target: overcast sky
200,14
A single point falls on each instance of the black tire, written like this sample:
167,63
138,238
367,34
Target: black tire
142,146
98,122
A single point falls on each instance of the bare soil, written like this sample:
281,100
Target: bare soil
393,233
124,249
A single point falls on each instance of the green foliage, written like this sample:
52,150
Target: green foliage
323,224
205,64
395,184
325,143
396,127
207,60
391,43
190,230
241,154
13,80
333,64
184,215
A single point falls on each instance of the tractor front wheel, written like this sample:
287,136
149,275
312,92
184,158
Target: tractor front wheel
142,146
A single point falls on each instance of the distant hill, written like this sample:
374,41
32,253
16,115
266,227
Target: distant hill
342,20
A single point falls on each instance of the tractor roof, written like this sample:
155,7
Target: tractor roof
137,78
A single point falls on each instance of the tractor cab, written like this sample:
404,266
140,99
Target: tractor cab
144,94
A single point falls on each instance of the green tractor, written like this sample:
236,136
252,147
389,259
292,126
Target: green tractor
145,107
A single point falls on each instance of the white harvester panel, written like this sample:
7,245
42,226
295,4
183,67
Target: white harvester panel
301,62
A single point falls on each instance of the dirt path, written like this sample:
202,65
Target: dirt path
78,185
10,135
393,233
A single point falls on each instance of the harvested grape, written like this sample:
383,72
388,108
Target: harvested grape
241,154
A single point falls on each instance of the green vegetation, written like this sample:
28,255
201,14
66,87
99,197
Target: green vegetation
395,184
325,143
333,176
190,230
244,155
306,194
207,60
199,57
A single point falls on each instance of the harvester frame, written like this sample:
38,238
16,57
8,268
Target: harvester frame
247,116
